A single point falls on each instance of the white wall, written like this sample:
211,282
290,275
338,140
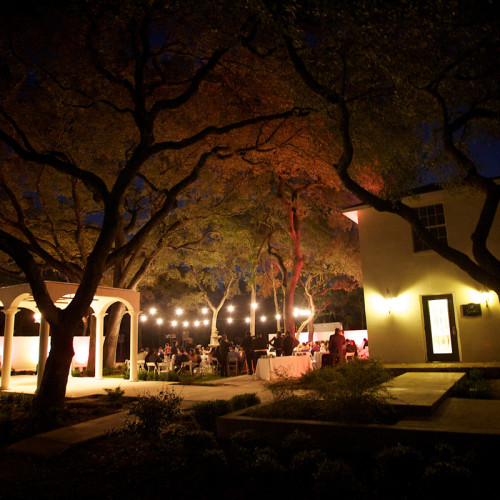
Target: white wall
25,352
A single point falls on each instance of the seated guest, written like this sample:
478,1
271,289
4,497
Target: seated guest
350,346
142,355
194,356
152,357
182,357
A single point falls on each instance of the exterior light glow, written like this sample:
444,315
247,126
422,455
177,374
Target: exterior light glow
247,320
159,321
253,305
143,317
204,310
178,311
186,323
37,317
229,320
278,316
205,321
230,309
152,311
196,323
263,318
174,323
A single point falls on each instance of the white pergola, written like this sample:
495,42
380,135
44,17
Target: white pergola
16,296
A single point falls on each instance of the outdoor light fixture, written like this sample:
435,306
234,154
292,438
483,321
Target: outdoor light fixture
174,323
204,310
230,309
185,324
152,311
253,305
229,320
205,321
263,318
196,323
159,321
485,296
247,320
143,317
178,311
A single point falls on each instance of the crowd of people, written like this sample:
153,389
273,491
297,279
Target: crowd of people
245,354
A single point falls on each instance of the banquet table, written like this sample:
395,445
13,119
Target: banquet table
289,366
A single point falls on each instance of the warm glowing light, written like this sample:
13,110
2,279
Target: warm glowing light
178,311
263,318
159,321
186,323
229,320
152,311
230,309
247,320
253,305
278,316
196,323
174,323
143,317
204,310
205,321
37,317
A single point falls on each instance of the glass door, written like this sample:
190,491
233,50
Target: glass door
440,328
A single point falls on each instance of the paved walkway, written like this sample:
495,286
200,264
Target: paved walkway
423,392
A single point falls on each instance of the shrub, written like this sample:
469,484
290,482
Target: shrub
106,371
473,386
205,413
186,378
142,375
172,376
153,412
241,401
76,373
126,374
115,397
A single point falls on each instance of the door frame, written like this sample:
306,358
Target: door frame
454,356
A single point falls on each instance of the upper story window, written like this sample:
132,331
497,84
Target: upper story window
432,216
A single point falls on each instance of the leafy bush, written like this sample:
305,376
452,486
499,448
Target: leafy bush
126,374
186,378
205,413
76,373
473,386
115,397
172,376
153,412
241,401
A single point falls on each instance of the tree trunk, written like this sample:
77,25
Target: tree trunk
55,376
114,320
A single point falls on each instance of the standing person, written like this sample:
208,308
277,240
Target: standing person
247,345
259,348
277,343
336,346
223,352
288,344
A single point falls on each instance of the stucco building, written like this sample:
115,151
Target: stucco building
420,307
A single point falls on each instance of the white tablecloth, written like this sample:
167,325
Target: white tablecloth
318,358
289,366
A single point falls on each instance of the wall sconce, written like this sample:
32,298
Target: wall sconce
389,302
485,296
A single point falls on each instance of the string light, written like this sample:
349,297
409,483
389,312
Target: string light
152,311
159,321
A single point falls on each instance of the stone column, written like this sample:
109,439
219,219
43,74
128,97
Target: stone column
8,335
134,344
43,349
99,341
